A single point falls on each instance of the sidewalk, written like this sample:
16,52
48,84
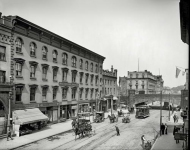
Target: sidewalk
167,142
36,136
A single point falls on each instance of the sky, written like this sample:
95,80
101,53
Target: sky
123,31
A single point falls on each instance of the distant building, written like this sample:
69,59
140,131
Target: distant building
143,82
109,89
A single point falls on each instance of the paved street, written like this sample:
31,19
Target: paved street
105,135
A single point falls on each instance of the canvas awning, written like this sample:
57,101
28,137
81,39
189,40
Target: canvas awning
74,107
27,116
115,98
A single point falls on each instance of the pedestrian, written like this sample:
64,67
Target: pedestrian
143,141
177,118
117,130
162,128
166,129
9,135
174,118
174,130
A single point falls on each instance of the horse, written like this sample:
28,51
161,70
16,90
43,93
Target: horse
112,118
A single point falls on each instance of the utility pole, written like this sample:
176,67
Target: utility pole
111,104
169,106
160,111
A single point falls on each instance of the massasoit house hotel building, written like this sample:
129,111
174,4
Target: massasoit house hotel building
40,69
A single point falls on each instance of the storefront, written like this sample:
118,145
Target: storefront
28,120
73,110
3,119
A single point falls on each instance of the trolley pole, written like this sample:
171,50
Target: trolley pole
160,111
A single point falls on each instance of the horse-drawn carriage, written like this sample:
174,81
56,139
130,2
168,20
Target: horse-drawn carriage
99,117
81,127
112,118
126,119
120,113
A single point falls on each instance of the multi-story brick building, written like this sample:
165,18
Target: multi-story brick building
49,72
143,82
109,89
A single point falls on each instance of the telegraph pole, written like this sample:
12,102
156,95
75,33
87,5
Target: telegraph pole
160,111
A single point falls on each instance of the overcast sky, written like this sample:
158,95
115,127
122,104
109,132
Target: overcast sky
120,30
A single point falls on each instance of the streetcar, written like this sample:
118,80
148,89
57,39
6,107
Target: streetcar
142,111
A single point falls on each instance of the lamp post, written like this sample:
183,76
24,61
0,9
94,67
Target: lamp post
169,107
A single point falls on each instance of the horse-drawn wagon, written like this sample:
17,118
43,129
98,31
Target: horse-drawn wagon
112,118
120,113
81,126
99,117
126,118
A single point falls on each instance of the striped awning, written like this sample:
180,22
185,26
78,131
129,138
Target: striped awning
27,116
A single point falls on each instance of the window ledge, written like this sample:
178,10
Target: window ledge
2,60
74,66
54,100
54,80
81,99
81,83
19,76
64,99
86,83
86,98
45,59
33,78
54,61
18,102
21,53
33,56
64,64
91,84
44,79
32,101
73,99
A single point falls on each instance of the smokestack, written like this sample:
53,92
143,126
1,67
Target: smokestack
0,14
112,68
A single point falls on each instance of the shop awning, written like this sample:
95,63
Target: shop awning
27,116
115,98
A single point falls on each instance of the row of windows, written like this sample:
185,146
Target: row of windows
136,86
136,82
109,82
54,95
45,67
33,49
109,91
137,75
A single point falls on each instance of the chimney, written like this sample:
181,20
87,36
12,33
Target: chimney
115,72
112,68
0,14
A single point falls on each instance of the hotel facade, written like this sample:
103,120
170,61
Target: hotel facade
143,82
40,69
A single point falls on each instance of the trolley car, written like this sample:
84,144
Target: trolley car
142,111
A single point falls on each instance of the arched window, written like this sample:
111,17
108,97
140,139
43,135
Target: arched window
19,44
55,56
44,53
81,63
96,69
33,48
65,57
74,59
86,65
91,67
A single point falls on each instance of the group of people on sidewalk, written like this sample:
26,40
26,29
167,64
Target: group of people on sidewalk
164,128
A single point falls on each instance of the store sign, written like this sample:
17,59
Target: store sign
68,84
47,104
